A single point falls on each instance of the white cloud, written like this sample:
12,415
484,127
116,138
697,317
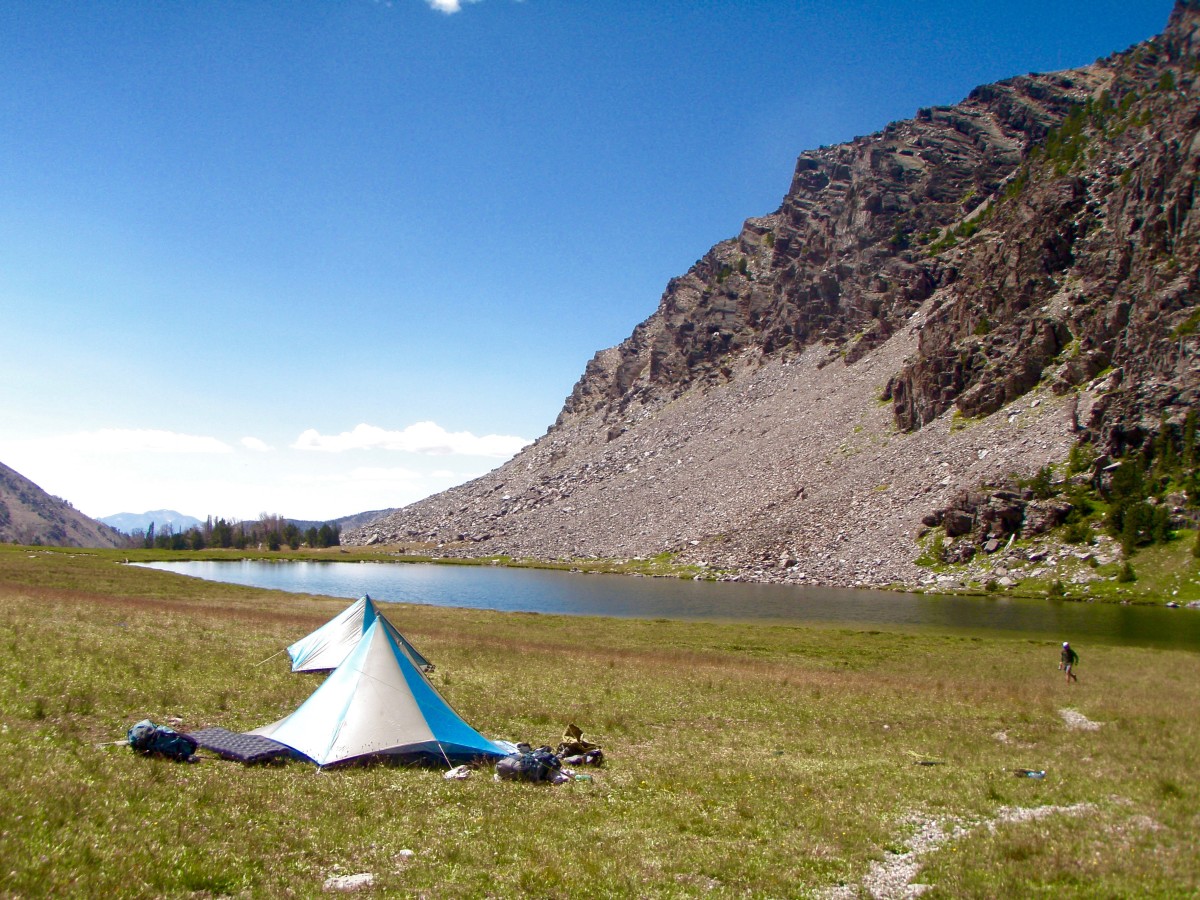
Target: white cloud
358,475
104,471
426,438
385,474
136,440
449,7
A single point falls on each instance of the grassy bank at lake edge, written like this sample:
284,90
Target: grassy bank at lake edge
749,760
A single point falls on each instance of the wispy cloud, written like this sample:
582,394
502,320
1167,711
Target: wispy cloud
255,444
140,440
358,475
427,438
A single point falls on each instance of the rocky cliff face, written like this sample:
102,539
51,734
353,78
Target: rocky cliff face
959,297
1087,260
28,515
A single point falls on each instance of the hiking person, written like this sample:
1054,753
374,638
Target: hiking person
1069,659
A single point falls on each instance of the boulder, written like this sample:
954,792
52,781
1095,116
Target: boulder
957,522
1000,516
1043,515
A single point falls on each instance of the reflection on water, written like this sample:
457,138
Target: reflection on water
531,590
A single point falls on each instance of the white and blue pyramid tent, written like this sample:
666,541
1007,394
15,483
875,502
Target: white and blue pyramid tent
326,647
379,703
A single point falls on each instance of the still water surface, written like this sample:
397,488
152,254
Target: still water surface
531,590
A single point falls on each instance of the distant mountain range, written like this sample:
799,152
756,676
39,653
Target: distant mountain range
160,518
29,515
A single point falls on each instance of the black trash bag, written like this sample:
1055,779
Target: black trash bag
149,739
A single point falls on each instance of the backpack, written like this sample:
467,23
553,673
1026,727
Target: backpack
149,739
533,765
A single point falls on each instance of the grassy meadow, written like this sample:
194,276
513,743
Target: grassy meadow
743,760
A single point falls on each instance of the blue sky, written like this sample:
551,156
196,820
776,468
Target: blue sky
315,258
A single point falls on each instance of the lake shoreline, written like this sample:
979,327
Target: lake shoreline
514,589
1147,590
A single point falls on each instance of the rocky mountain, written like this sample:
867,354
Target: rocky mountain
28,515
956,300
159,518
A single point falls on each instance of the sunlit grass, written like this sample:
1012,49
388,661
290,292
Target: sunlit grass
768,761
1163,573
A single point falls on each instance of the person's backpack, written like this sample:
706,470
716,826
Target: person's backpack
141,736
533,765
149,739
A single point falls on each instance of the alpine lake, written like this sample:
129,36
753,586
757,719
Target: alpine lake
564,593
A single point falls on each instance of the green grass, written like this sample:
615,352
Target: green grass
758,761
1188,326
1164,573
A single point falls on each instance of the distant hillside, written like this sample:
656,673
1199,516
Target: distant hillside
160,518
934,312
28,515
358,520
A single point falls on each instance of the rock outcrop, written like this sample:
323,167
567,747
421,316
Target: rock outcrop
948,303
1087,260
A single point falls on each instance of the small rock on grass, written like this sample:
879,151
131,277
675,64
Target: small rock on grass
1077,720
348,883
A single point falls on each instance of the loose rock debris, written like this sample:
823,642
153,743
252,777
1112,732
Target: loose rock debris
1078,721
349,883
1008,815
892,878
